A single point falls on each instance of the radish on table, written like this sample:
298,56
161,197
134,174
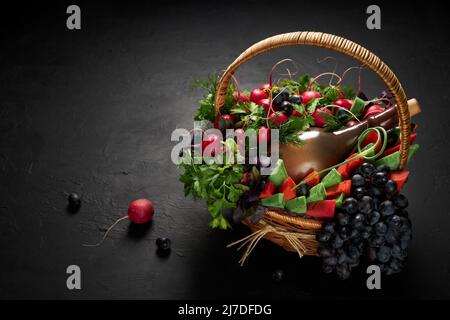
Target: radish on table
140,211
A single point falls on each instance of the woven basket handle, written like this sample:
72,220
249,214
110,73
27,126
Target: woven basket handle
336,43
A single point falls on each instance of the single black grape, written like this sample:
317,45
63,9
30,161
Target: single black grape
392,237
359,192
390,187
358,181
365,205
401,201
325,252
342,218
327,269
163,244
395,221
383,168
286,107
302,190
328,226
375,192
344,233
396,251
387,208
331,261
381,228
379,179
373,218
323,237
384,254
358,220
366,169
343,271
296,99
74,200
278,275
350,205
336,241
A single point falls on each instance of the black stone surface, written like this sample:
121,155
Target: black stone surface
91,112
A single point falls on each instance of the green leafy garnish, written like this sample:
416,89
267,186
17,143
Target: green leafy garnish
206,110
293,128
217,184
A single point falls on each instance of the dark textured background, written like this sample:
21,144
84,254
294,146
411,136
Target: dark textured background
92,111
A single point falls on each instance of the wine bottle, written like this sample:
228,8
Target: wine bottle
324,149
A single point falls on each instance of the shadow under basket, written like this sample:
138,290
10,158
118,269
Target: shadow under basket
293,233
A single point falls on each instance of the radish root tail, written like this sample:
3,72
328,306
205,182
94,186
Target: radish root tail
106,233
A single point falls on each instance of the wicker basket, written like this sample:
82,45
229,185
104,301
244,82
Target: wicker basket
296,233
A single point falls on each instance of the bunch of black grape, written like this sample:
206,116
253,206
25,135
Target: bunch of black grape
372,221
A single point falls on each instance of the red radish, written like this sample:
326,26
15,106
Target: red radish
265,103
373,111
263,135
309,95
315,179
257,94
140,211
242,97
265,86
351,123
344,103
320,116
296,113
214,141
224,121
278,118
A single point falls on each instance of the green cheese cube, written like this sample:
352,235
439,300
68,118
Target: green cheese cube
332,178
297,205
279,174
277,201
317,193
393,160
